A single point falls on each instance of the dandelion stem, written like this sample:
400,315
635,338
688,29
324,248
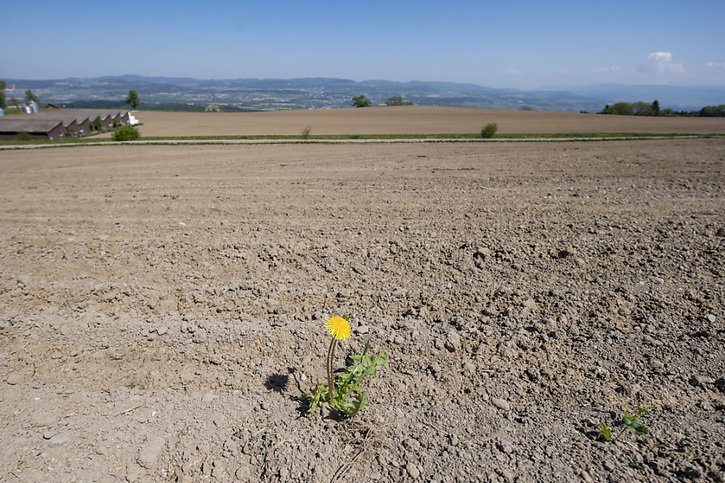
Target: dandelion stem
330,379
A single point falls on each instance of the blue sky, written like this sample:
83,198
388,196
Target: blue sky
525,44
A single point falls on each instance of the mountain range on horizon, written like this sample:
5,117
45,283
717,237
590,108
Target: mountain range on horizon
187,93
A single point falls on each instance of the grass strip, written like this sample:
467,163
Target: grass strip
150,140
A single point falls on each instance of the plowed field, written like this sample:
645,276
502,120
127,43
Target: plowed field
162,307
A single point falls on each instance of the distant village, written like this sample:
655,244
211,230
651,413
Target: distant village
30,122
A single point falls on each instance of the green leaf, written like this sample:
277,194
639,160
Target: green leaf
631,421
349,396
605,433
320,394
635,427
360,403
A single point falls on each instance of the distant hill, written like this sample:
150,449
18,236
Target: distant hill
276,94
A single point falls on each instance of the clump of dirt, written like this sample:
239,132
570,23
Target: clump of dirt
162,308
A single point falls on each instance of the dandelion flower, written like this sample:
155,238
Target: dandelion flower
338,327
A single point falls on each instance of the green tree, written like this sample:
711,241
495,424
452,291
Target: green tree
361,101
620,109
2,95
30,96
132,99
489,130
394,101
713,111
397,101
642,109
639,108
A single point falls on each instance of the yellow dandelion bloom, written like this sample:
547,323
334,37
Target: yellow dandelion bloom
338,327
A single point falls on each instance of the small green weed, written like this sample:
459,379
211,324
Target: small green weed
125,133
629,422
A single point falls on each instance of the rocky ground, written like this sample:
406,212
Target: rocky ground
161,309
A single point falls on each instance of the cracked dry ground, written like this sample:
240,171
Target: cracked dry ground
161,307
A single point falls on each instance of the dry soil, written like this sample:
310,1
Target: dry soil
411,120
162,307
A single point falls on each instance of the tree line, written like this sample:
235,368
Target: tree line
641,108
363,101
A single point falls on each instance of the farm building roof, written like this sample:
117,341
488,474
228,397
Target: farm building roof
66,120
79,115
17,124
75,121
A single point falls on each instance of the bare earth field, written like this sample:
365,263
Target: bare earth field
410,120
162,306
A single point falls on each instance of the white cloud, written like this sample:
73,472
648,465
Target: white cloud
715,65
511,71
663,62
661,57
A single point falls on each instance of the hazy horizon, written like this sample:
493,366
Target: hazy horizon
220,79
524,45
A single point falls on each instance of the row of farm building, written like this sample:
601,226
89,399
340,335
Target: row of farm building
57,124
